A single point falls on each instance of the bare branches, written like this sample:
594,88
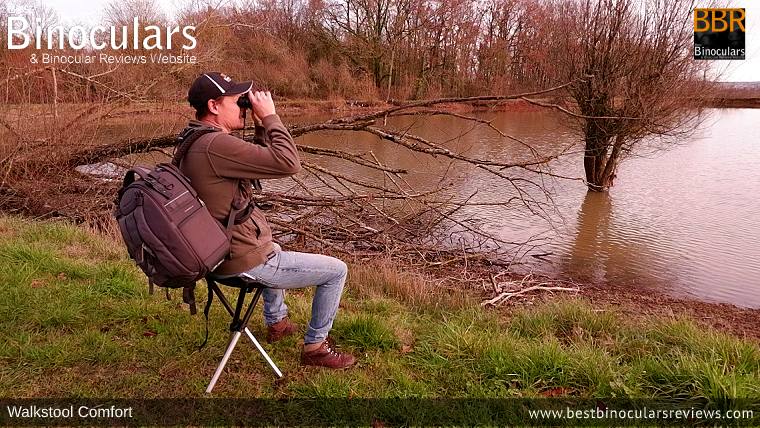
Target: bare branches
90,79
460,100
507,290
364,204
576,115
356,158
644,75
22,75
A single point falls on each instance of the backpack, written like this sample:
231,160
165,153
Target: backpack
168,231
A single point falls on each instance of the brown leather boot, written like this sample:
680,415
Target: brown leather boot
280,330
327,356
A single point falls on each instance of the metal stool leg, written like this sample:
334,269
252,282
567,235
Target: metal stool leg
227,353
244,325
263,352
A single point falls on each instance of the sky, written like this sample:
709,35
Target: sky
88,11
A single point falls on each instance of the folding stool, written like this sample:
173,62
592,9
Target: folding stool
238,326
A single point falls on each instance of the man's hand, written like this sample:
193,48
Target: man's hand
262,103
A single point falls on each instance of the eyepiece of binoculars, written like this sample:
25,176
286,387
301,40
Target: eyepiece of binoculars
244,102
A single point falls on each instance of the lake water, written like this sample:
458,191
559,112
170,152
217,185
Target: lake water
684,220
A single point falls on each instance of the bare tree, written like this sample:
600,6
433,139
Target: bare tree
637,73
123,12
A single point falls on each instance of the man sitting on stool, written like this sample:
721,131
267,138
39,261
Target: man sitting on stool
221,166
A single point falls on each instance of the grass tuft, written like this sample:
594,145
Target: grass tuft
366,332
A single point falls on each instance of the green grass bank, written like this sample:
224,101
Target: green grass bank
76,320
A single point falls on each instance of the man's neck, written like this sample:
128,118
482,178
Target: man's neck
212,122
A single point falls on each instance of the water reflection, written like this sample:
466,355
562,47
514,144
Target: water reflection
589,258
602,252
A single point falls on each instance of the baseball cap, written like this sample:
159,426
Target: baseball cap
213,85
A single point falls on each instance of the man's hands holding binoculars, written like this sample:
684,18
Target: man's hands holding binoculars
260,102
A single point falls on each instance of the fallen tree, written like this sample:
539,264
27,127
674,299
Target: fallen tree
324,208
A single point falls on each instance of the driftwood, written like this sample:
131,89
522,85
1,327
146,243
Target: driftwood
507,290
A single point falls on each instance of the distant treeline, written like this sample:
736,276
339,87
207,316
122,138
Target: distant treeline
736,90
321,49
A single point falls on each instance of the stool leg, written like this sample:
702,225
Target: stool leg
263,352
227,353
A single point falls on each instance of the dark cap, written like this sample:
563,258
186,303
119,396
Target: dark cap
212,85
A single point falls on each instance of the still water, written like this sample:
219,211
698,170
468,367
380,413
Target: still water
684,219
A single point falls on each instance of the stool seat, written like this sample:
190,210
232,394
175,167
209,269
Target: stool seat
237,281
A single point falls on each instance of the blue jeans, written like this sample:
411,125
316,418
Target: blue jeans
291,269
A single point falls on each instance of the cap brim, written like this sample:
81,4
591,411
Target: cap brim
240,88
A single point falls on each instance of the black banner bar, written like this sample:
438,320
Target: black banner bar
371,412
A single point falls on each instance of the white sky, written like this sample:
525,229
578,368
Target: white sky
88,11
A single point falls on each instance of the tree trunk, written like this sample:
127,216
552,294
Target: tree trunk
55,93
599,177
390,75
610,168
7,86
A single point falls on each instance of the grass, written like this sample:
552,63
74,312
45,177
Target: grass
76,320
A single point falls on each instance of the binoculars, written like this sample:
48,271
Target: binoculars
243,102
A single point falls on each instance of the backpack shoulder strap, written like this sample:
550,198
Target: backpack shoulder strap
129,178
132,174
186,139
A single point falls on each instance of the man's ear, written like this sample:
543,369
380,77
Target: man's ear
212,106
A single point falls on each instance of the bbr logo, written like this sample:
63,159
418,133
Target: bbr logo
719,33
718,20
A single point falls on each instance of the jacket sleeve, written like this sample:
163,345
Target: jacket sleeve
260,135
231,157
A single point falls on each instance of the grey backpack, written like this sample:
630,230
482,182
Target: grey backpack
167,228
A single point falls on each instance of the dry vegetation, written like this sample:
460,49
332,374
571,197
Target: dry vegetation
58,117
347,49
